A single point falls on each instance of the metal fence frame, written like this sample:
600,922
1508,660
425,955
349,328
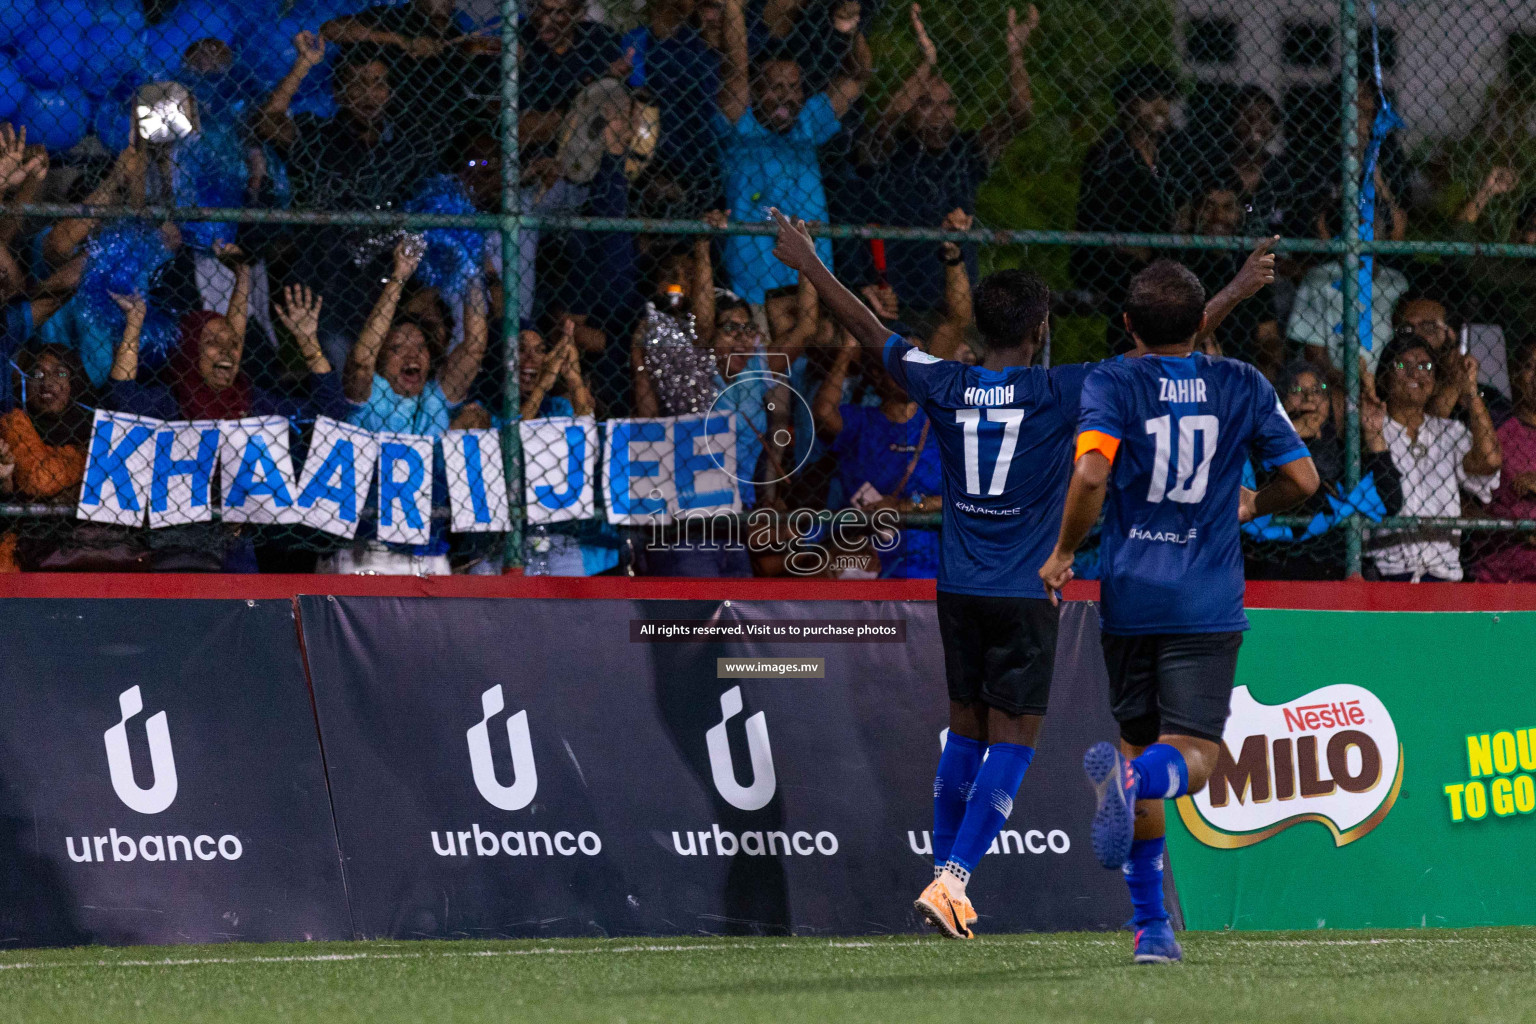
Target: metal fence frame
511,221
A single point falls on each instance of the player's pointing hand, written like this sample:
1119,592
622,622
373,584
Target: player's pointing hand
1258,269
793,247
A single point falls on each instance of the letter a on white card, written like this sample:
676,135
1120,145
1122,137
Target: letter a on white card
257,471
336,476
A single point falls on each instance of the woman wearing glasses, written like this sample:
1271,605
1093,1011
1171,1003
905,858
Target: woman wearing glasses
43,439
1438,458
1308,401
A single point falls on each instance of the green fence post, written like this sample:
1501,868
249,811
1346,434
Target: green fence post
1349,40
511,264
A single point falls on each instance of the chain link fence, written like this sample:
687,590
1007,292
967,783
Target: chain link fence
312,285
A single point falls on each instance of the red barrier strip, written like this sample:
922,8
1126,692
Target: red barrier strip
1348,595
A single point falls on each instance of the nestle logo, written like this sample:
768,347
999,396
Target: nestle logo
1312,717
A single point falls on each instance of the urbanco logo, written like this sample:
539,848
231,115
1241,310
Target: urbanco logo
525,776
162,760
760,790
1331,756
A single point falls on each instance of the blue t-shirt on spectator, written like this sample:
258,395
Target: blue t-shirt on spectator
764,168
556,405
428,413
871,449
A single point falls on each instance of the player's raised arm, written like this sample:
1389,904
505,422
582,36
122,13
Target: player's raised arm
795,249
1257,271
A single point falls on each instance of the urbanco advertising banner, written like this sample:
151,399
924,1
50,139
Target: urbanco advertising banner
1378,771
160,776
515,768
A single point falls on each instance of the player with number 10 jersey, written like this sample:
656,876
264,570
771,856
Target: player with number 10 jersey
1167,435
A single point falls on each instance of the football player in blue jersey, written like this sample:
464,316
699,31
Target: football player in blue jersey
1166,435
1004,430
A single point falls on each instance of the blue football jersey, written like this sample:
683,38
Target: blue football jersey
1005,444
1172,561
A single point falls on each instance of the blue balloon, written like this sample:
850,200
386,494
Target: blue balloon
50,53
71,15
164,45
210,19
120,12
12,89
269,54
112,50
14,15
112,123
58,118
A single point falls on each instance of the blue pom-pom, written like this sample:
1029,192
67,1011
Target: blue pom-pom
211,170
122,259
56,117
453,255
12,88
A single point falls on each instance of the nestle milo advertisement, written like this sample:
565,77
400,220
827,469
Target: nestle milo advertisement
1378,771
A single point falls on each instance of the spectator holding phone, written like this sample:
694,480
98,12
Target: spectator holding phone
1437,325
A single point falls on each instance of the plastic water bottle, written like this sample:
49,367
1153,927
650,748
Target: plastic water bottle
536,547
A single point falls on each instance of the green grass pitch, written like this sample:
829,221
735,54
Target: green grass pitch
1473,975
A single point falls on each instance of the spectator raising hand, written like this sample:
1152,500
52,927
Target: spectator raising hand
299,312
1501,181
947,340
16,163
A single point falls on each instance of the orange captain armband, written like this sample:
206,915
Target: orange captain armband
1097,441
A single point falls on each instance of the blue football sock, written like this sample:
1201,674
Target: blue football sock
1161,773
951,788
991,802
1144,876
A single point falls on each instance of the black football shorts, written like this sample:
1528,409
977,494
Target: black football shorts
1171,683
1000,651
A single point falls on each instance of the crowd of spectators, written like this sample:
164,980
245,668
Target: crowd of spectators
713,111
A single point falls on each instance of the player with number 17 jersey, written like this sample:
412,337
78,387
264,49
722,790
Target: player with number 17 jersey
1005,444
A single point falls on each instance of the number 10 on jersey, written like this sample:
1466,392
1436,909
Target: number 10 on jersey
1189,487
